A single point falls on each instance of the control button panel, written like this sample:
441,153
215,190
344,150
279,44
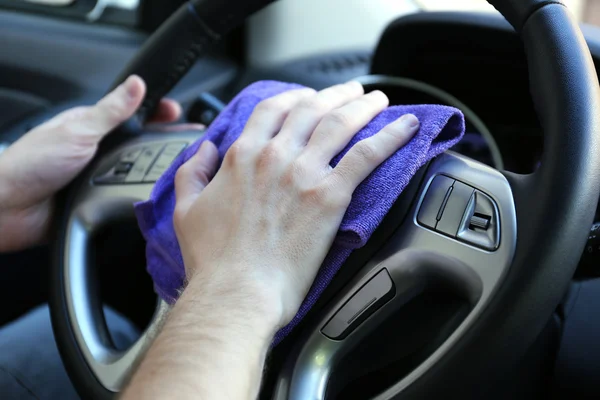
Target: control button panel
130,156
141,164
368,299
163,161
460,211
588,265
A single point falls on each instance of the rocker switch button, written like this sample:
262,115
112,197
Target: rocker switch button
455,209
368,299
433,203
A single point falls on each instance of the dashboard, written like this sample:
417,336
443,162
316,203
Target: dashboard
478,59
478,142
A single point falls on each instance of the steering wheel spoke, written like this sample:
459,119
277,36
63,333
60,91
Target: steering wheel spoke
99,203
420,256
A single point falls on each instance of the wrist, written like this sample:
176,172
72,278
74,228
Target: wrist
214,331
251,301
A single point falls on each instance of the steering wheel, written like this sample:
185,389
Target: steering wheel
507,244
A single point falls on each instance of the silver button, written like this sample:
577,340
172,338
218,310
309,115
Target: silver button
143,163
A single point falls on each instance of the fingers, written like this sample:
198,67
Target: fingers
116,107
269,115
168,111
304,118
193,176
338,127
367,154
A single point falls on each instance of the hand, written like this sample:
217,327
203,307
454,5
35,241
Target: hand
254,237
262,227
48,157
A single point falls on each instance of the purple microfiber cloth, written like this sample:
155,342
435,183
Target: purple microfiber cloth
441,127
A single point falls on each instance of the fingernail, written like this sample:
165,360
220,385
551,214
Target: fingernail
410,120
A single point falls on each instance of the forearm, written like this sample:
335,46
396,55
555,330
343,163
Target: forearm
22,229
213,346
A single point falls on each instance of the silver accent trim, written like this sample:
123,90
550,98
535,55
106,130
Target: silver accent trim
94,207
413,255
101,5
447,98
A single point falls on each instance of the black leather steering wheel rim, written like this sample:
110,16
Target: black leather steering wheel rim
555,207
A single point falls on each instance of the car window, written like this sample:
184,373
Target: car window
585,10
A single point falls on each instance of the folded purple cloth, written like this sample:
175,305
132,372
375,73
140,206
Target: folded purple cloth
441,127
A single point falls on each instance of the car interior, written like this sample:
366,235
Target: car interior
502,305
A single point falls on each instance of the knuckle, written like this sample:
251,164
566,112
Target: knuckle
314,195
294,174
111,111
236,152
352,90
338,119
80,149
271,106
394,131
65,120
203,174
270,155
306,92
181,175
312,105
327,197
367,151
76,113
179,215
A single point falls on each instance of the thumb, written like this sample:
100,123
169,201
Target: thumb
117,106
193,176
